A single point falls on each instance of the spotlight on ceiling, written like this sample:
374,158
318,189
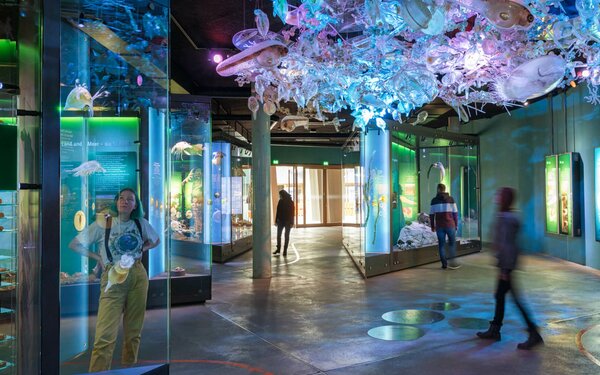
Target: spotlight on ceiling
585,73
217,58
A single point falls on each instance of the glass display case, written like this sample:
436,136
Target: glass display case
395,181
190,202
114,95
232,197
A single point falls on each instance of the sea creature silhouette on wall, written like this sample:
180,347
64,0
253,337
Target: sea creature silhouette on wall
87,168
217,157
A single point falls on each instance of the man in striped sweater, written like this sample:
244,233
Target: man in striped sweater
444,221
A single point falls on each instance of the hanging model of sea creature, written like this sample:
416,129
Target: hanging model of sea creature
533,78
280,9
265,54
87,168
80,99
182,147
262,22
440,166
290,122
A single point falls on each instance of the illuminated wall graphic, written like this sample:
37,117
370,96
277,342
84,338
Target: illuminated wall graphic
565,194
597,190
551,194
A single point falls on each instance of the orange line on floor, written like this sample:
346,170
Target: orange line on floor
207,361
582,349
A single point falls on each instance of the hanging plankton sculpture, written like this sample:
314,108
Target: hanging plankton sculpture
384,59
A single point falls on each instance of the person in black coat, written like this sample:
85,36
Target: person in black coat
284,219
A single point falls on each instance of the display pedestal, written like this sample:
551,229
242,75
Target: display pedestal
221,253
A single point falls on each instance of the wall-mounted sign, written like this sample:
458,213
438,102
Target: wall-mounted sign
597,191
552,194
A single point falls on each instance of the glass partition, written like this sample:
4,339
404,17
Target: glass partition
191,204
114,97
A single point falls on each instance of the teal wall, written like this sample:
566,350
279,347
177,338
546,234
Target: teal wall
308,155
512,154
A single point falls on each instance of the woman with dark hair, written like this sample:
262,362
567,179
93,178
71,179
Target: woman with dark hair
284,219
505,245
125,236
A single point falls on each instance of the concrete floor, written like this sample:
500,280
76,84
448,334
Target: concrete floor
313,316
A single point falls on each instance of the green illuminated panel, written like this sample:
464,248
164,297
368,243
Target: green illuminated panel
565,194
552,208
8,52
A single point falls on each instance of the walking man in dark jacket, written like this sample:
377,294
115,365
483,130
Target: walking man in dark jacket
284,219
444,221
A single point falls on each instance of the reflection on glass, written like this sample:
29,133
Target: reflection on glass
191,204
334,196
299,196
314,196
113,74
350,197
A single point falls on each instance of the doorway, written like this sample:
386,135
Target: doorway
316,191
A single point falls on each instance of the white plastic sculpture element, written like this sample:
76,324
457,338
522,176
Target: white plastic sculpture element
265,54
262,22
533,78
119,272
416,14
80,99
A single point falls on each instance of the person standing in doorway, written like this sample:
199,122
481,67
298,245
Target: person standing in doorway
284,219
126,235
505,245
444,222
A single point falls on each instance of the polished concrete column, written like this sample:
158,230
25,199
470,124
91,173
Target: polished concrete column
261,197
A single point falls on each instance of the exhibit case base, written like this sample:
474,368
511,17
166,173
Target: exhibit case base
379,264
221,253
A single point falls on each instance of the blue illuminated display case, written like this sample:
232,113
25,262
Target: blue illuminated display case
231,200
390,178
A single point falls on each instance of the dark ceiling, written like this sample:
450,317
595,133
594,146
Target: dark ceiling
201,28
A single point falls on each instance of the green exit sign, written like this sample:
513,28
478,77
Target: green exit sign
325,163
275,162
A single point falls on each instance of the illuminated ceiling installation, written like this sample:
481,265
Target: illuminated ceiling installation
382,59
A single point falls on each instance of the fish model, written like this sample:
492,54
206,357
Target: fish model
183,147
87,168
440,166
